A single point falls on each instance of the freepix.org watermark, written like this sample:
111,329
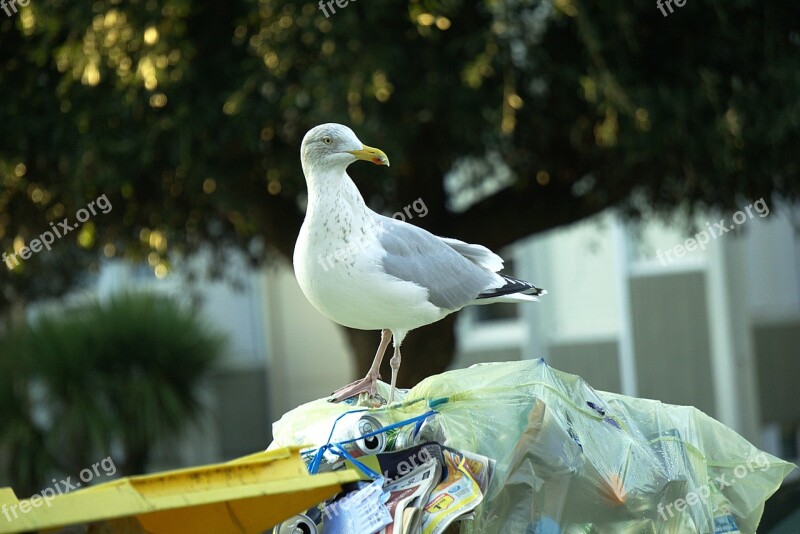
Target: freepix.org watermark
341,4
701,494
106,466
354,499
701,239
57,231
660,5
328,261
10,6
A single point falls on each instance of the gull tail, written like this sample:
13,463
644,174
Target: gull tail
514,290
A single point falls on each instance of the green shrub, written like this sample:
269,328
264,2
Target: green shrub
115,376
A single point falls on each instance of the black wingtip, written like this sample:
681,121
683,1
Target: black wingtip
513,285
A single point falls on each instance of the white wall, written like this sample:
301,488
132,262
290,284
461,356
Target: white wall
309,356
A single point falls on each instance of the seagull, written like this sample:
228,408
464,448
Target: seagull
370,272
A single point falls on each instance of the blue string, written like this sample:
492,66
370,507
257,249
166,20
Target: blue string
314,465
417,419
338,447
343,452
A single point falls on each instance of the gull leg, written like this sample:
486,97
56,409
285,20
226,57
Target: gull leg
368,382
395,364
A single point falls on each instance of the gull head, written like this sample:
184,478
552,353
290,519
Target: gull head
334,145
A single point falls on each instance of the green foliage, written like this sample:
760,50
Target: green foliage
189,115
23,456
120,375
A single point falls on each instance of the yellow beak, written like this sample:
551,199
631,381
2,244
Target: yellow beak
375,155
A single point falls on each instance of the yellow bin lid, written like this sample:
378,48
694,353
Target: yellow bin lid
247,495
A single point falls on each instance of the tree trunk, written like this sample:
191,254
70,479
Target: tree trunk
426,351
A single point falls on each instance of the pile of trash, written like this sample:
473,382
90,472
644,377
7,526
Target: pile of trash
521,447
423,488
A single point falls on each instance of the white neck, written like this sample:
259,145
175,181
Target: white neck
330,184
334,199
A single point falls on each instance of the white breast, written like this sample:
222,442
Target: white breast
337,262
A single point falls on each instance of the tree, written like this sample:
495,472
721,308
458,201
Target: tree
188,116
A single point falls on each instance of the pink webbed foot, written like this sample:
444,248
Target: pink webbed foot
368,384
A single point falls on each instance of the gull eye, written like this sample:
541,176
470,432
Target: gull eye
327,140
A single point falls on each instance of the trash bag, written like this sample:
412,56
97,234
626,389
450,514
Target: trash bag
570,459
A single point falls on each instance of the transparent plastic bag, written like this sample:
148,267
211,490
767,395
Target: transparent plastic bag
574,460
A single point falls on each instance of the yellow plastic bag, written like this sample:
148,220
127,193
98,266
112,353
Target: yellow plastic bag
572,459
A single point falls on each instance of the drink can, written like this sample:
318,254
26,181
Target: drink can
354,426
400,438
298,524
403,437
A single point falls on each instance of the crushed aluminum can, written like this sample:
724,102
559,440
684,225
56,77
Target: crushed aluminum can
404,437
298,524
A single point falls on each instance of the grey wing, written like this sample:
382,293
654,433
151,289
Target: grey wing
415,255
477,253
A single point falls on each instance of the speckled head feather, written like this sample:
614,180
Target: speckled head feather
328,145
334,146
